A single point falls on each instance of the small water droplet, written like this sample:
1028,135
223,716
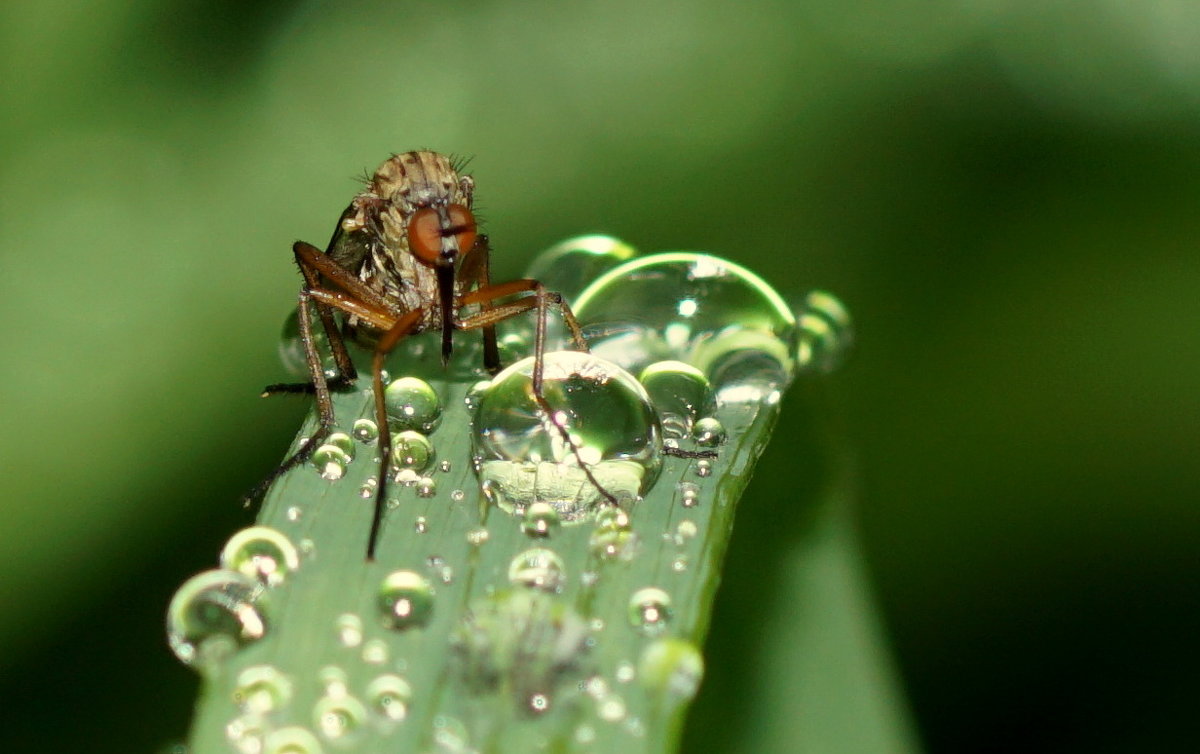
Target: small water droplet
375,652
294,512
625,672
331,461
291,740
650,610
368,488
334,680
696,308
673,666
539,703
261,553
541,520
458,495
703,468
338,716
412,404
686,529
679,392
689,494
365,431
445,467
343,441
349,629
291,347
390,695
421,525
439,569
524,457
426,487
246,733
826,333
708,432
213,614
477,537
537,568
611,708
613,537
411,450
679,564
262,689
405,600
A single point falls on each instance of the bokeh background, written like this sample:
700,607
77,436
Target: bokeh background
1004,192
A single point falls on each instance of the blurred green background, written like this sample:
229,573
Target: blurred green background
1004,192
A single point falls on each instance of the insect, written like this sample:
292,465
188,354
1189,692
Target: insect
407,257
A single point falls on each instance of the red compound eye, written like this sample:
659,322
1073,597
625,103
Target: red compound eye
425,231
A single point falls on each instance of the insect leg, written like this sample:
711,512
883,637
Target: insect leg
476,270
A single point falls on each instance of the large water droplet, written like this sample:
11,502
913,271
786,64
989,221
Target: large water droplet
411,450
650,610
826,333
568,266
537,568
338,716
405,600
706,311
291,740
679,392
672,665
524,457
331,461
261,553
291,347
412,404
213,614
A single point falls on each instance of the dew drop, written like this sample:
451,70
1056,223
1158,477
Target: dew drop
331,461
650,610
412,404
262,553
375,652
537,568
294,513
673,666
338,716
477,537
426,487
458,495
389,695
368,488
679,392
540,520
334,680
411,450
246,733
568,266
343,441
607,415
405,600
476,392
539,703
445,467
262,689
291,740
349,629
365,431
611,708
679,564
696,308
708,432
703,468
613,536
826,333
291,348
689,494
421,525
686,529
212,615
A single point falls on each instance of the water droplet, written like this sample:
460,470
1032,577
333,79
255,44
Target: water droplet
476,392
343,441
421,525
625,672
334,679
213,614
405,600
539,703
439,569
291,348
261,689
674,666
291,740
611,708
375,652
519,643
390,695
613,537
477,537
426,487
708,432
679,392
331,461
696,308
412,404
445,467
568,266
605,412
679,564
365,431
368,488
294,513
450,735
686,529
650,610
338,716
537,568
349,629
703,468
458,495
541,520
689,494
261,553
826,333
411,450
